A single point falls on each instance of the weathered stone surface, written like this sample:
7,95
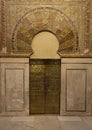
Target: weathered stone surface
46,123
14,86
14,89
76,82
76,86
76,90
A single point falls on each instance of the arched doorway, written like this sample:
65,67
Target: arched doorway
45,75
24,41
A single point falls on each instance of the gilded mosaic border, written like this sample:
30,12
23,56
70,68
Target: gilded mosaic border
3,26
87,22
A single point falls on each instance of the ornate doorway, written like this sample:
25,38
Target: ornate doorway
45,78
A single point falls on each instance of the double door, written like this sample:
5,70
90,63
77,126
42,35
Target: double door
44,94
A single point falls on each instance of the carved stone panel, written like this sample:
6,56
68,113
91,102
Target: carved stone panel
14,86
76,86
76,89
14,79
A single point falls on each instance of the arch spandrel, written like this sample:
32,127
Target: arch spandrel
45,19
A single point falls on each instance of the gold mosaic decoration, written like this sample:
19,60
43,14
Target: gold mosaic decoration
50,19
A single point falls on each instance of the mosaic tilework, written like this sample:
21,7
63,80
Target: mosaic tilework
87,22
0,27
90,32
32,23
3,27
47,1
74,9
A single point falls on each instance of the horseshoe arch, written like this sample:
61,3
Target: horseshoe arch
45,19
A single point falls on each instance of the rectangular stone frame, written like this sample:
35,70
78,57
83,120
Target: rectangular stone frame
80,103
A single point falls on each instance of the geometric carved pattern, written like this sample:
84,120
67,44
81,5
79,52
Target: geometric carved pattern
45,19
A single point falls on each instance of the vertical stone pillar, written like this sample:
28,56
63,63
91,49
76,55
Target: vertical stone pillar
3,26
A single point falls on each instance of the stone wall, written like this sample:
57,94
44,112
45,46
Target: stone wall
14,86
76,86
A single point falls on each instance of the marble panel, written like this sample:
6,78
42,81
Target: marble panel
76,89
76,86
14,87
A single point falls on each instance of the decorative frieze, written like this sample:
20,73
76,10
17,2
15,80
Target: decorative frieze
87,22
45,1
